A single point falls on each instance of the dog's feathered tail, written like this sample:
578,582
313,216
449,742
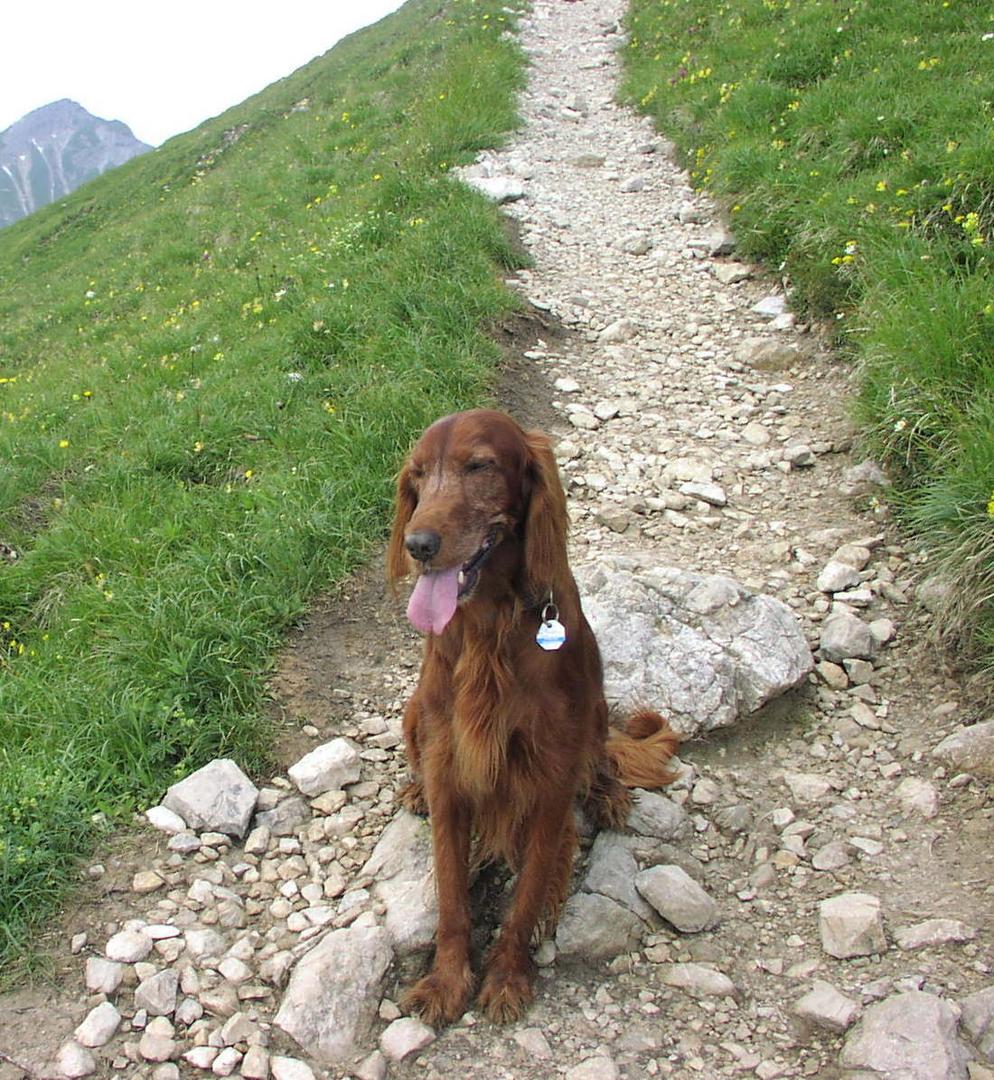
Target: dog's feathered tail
641,752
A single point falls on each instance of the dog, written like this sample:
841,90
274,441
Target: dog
508,725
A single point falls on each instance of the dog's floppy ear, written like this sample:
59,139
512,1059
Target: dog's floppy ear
398,563
546,520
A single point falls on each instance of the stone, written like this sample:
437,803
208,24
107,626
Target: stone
678,898
500,189
807,787
238,1028
854,555
832,675
257,841
330,1002
756,434
285,817
616,518
825,1007
720,242
598,1067
832,856
98,1026
844,636
373,1067
771,306
533,1042
764,354
619,331
702,648
226,1061
851,924
908,1036
632,184
970,749
146,881
566,385
655,815
978,1020
255,1064
217,798
157,1042
799,456
712,494
588,161
157,994
584,420
403,874
636,244
205,942
866,478
837,576
201,1057
611,871
288,1068
917,796
404,1037
165,820
594,927
103,976
698,979
74,1061
326,768
931,932
128,946
731,273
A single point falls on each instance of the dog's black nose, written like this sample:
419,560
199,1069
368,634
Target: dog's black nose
423,545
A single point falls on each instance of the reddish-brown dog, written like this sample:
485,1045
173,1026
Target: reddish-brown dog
503,733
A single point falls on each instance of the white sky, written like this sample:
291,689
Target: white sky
162,67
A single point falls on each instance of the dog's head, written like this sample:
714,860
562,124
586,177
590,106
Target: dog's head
475,486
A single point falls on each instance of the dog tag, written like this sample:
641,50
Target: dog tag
551,634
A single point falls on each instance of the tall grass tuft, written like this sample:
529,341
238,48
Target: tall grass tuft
210,362
851,147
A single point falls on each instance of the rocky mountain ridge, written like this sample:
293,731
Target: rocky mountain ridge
53,150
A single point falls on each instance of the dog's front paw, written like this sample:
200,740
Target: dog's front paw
441,996
505,995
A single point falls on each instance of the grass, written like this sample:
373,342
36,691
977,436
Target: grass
851,145
210,361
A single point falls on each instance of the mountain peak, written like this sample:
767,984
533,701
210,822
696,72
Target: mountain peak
53,149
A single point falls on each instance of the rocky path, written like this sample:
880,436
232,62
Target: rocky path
832,870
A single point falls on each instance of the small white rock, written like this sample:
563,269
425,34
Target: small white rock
164,819
99,1025
128,947
288,1068
75,1061
404,1037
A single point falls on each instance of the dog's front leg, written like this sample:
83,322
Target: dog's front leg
442,995
543,882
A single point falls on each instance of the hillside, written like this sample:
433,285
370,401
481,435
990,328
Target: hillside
209,361
53,150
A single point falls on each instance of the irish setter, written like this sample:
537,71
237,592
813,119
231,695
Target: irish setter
503,733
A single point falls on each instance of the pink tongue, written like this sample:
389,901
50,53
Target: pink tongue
433,602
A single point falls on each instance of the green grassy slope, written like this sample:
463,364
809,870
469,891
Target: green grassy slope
852,144
210,360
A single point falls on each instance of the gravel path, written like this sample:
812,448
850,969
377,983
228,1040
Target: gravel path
712,436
